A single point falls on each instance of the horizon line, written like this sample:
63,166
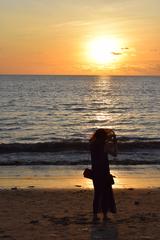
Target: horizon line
114,75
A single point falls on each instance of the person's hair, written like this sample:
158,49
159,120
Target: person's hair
103,134
99,134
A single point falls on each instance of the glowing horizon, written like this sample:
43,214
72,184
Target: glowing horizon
103,38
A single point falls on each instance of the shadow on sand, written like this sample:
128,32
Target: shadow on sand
104,231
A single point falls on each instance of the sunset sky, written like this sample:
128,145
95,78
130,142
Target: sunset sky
112,37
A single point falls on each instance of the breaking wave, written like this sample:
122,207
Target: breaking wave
123,145
130,152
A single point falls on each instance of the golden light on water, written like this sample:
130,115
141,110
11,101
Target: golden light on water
104,50
126,177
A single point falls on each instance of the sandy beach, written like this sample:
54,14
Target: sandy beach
32,214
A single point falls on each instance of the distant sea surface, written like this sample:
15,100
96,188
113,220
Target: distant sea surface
49,119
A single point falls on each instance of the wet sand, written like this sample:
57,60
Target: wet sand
32,214
67,177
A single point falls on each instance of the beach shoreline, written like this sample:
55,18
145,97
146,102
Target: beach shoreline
67,214
55,202
71,177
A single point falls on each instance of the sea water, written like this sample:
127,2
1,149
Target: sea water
49,119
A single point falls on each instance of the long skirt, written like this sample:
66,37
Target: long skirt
103,197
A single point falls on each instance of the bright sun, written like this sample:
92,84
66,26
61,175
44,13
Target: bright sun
103,50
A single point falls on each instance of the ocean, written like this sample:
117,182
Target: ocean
48,120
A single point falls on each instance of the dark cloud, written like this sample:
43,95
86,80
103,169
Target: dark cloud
117,53
123,51
125,48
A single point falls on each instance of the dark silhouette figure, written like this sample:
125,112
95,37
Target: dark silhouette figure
100,146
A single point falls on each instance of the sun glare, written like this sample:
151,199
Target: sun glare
103,50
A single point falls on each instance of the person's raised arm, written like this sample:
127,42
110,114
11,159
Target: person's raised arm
111,147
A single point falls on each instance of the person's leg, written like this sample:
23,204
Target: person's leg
112,203
96,201
108,203
105,203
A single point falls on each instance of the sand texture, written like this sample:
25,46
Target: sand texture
67,214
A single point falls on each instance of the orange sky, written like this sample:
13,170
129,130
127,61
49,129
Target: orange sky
54,37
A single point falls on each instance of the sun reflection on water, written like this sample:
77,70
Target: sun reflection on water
63,177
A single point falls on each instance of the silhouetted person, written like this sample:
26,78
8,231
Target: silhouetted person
103,194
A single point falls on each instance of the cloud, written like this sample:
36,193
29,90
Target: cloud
140,68
73,23
124,48
117,53
123,51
